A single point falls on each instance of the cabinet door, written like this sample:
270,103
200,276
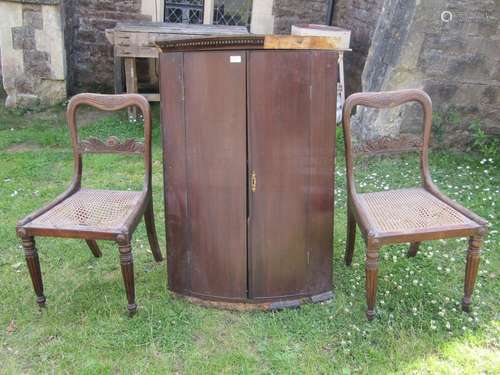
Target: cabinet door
291,125
210,193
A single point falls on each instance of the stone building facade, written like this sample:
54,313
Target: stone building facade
86,57
293,12
361,17
447,47
32,52
450,49
89,54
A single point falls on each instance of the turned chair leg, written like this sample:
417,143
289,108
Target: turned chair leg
127,266
471,270
413,249
31,255
351,236
149,219
371,270
92,244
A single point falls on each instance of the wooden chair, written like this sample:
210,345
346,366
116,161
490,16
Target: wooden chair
97,214
405,215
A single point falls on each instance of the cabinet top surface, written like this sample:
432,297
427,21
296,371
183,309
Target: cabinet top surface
243,42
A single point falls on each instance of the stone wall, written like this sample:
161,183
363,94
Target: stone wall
361,17
447,48
32,58
294,12
90,55
262,17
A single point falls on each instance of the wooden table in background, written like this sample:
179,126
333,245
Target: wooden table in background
137,40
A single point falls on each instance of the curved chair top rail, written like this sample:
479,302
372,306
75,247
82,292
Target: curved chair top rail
112,144
109,103
388,99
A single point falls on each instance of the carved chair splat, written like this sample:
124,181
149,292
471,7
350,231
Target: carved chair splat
405,215
92,214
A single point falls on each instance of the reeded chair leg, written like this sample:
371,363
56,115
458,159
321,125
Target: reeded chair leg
127,265
351,236
31,254
92,244
371,270
413,249
471,270
149,219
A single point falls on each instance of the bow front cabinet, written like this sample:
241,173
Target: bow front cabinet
248,151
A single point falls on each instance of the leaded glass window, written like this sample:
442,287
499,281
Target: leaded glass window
232,12
184,11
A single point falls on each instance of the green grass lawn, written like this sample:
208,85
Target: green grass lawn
419,329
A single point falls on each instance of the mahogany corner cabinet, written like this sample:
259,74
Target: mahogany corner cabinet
248,155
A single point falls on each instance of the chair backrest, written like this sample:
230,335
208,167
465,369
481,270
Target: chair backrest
388,99
112,144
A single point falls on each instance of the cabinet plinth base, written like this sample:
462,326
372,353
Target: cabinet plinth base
256,305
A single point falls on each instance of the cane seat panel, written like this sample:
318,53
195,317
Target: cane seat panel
91,208
406,210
